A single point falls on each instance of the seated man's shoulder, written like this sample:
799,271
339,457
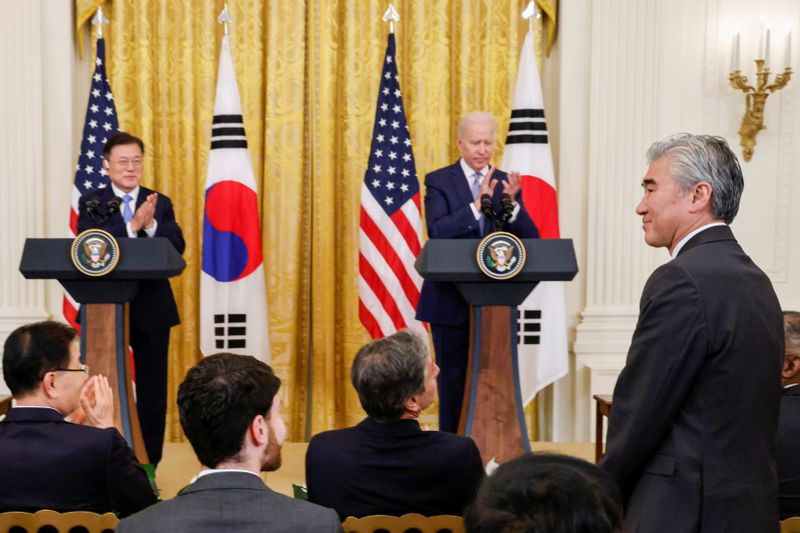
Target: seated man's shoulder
333,437
304,510
274,512
450,438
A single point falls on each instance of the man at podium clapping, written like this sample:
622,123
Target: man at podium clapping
453,210
126,209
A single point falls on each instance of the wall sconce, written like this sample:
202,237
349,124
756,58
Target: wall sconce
756,97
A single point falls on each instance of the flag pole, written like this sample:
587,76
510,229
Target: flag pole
225,17
391,16
98,20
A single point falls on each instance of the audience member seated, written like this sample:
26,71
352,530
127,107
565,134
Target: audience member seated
47,462
231,413
387,464
788,435
546,493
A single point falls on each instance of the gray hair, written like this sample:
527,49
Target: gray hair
706,158
474,117
791,331
387,372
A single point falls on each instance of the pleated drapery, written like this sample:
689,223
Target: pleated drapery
308,76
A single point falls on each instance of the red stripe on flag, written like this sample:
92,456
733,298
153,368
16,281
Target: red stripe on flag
407,231
379,289
70,313
368,320
73,221
541,202
390,256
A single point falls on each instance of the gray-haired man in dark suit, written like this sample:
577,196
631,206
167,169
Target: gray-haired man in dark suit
690,440
230,411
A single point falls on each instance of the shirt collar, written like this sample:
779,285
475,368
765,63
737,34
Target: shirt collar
120,193
209,471
688,236
469,171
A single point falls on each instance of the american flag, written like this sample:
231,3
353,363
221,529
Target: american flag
101,122
390,236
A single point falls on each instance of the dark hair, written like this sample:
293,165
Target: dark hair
387,372
219,398
696,158
546,493
791,331
119,139
33,350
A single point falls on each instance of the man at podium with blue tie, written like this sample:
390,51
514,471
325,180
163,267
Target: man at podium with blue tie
453,210
128,210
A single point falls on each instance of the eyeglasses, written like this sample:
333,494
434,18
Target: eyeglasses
123,163
83,368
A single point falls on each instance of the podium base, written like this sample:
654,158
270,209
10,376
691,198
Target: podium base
493,413
104,347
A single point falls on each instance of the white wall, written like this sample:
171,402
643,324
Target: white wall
634,71
39,112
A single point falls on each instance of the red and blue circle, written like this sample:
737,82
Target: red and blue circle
231,231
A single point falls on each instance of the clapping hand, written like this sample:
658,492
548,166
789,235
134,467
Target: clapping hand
97,402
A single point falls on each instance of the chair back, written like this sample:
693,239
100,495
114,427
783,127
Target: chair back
411,522
71,522
791,525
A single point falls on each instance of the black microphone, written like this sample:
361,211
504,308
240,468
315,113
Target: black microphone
508,208
112,206
486,206
91,209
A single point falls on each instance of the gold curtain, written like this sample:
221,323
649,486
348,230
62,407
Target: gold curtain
308,77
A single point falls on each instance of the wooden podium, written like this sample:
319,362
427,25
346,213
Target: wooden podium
104,311
492,413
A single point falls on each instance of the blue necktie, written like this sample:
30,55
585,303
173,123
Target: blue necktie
127,213
475,187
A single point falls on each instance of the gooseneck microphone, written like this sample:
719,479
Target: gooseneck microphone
508,208
112,206
486,206
100,215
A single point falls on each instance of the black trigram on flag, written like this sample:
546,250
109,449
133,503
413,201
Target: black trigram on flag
527,126
529,324
230,331
227,131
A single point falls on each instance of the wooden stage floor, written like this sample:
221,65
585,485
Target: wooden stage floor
179,464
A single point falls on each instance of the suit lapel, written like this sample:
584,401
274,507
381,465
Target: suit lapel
459,183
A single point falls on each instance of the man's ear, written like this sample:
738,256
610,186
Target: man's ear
701,196
259,430
48,385
412,405
791,366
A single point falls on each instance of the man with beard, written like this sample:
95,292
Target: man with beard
230,411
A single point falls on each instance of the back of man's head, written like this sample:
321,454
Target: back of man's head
33,350
791,358
388,371
546,493
218,400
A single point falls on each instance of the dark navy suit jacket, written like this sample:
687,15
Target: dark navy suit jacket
392,468
449,216
787,444
692,428
154,307
49,463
